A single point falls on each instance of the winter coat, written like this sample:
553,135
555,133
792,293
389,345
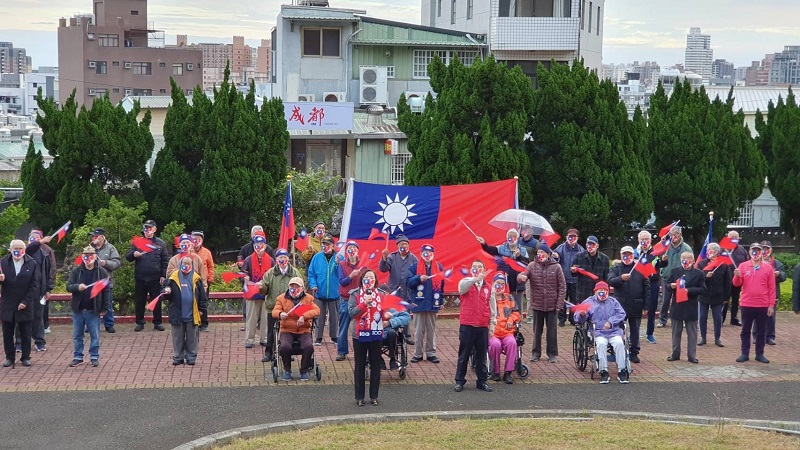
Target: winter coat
758,285
602,312
151,266
19,289
505,250
718,287
348,281
597,264
199,305
45,264
398,267
248,250
632,293
289,324
507,311
695,284
198,266
546,288
427,296
314,247
274,283
82,275
566,257
796,289
780,278
323,274
208,263
673,261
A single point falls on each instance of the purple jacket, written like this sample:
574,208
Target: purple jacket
601,312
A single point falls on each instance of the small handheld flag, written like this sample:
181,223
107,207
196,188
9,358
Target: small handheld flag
664,231
152,305
78,260
302,240
250,290
390,301
143,244
300,309
578,308
661,247
550,238
644,265
61,232
512,263
98,287
681,293
728,243
230,276
585,272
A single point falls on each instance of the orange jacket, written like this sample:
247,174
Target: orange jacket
208,262
289,324
507,311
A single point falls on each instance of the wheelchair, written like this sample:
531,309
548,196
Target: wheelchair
584,349
401,354
277,366
522,370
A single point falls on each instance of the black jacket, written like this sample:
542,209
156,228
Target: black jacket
248,250
598,265
174,297
151,266
632,293
45,264
16,289
695,284
718,286
796,289
81,275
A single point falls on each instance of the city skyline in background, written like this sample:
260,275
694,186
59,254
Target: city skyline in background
630,31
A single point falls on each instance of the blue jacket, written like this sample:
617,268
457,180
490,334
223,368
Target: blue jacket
566,256
427,296
324,275
399,319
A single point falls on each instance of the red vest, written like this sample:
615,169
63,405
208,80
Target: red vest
475,306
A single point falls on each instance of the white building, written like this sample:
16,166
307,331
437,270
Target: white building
526,32
699,55
633,93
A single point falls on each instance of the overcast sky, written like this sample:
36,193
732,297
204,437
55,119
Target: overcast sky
741,30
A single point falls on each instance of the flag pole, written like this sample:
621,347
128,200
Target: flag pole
468,228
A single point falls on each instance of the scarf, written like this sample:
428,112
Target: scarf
369,327
422,270
259,268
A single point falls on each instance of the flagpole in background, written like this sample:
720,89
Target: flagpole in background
287,220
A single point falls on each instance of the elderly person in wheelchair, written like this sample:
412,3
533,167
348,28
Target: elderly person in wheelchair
607,317
502,338
394,322
296,310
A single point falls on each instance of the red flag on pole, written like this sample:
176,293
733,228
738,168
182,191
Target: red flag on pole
660,248
728,243
98,287
143,244
664,231
300,309
230,276
250,290
514,264
301,243
152,305
61,232
78,260
287,222
587,273
549,238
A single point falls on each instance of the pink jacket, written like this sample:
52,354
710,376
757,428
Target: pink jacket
758,285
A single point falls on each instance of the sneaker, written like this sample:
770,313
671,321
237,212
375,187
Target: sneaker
267,357
770,341
47,330
318,342
287,376
393,364
660,325
139,327
95,363
158,327
248,345
341,357
304,376
552,359
561,323
736,323
76,362
535,357
622,376
604,378
335,340
41,348
651,339
190,362
634,358
434,359
416,359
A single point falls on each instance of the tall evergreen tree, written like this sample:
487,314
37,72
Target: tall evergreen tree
703,159
778,138
474,130
222,160
586,160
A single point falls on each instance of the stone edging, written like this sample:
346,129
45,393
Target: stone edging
226,437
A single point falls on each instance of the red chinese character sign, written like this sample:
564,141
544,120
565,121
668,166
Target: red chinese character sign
318,116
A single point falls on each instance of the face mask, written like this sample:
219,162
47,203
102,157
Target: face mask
755,254
283,261
186,268
89,259
147,230
95,240
185,246
32,239
474,271
427,256
644,244
319,232
511,240
259,247
572,239
766,253
526,235
294,291
591,246
403,250
686,263
351,252
541,257
602,294
327,248
17,253
499,287
367,282
627,258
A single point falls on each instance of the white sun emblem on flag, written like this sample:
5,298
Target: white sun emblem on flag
395,213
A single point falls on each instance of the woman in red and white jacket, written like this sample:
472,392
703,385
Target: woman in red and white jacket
757,301
366,313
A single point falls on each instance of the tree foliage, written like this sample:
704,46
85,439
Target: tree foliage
222,160
11,219
778,138
474,130
586,157
703,158
97,152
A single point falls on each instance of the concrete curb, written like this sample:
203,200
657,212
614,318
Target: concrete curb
226,437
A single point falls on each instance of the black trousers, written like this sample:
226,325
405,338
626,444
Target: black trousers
362,351
36,327
270,334
8,339
390,341
755,319
204,313
143,288
736,292
542,319
635,324
472,340
572,293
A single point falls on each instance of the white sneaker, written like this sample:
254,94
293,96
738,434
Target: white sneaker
47,330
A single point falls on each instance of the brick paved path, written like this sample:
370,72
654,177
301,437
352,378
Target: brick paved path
143,360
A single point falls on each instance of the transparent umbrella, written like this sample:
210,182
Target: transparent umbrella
517,218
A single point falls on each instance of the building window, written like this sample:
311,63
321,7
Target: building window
142,92
177,69
438,8
321,42
453,12
469,9
399,162
590,16
134,13
583,12
162,91
101,67
161,64
142,68
115,63
389,71
422,58
598,21
108,40
115,91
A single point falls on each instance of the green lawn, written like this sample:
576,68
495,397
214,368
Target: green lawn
521,434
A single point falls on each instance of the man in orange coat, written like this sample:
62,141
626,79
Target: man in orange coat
295,326
503,339
208,262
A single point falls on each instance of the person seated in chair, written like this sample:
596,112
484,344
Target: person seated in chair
295,326
502,338
607,315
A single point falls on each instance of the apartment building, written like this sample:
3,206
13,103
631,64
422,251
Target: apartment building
699,54
118,52
14,59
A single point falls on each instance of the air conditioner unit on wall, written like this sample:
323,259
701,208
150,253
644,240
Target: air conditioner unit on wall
128,64
305,97
92,64
189,66
333,97
421,94
92,91
128,91
373,85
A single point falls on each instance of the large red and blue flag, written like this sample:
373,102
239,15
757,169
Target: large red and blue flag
287,222
428,215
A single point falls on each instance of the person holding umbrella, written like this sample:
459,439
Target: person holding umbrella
509,249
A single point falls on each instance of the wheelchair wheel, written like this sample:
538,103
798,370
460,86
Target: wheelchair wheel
318,373
523,371
274,374
402,373
579,350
